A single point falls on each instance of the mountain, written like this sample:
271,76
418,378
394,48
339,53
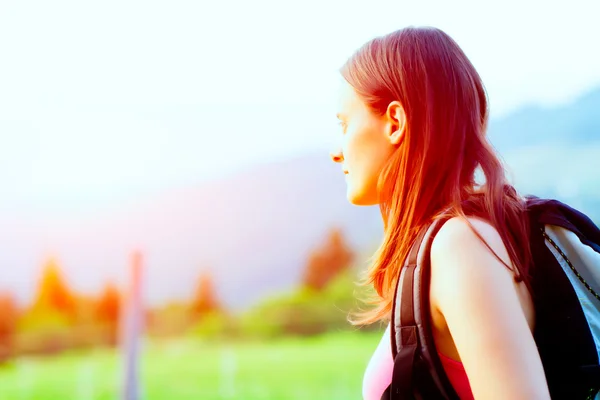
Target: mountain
575,123
554,152
254,230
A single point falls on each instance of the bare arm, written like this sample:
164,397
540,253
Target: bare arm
478,299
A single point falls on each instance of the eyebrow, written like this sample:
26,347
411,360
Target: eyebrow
339,116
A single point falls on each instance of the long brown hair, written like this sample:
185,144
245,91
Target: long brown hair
444,144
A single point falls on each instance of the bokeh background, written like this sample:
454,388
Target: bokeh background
196,134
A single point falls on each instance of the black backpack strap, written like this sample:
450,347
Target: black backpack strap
417,368
554,212
403,329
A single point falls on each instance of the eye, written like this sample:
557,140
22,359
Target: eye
343,125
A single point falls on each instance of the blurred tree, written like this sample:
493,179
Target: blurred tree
53,293
170,319
205,298
216,325
108,310
326,262
8,324
109,304
305,311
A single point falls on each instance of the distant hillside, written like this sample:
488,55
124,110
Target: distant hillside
254,229
555,152
577,123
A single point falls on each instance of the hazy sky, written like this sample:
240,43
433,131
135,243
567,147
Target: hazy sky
103,101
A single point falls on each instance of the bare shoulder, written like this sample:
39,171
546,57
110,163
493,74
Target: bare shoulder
464,267
457,235
458,253
484,312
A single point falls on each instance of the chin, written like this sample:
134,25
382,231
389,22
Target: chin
360,199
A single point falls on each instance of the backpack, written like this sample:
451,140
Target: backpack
565,284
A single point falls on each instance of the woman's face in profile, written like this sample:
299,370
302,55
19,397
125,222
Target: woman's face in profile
365,146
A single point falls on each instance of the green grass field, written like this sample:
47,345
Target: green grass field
325,367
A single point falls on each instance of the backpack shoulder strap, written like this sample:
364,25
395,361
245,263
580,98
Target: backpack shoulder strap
417,367
554,212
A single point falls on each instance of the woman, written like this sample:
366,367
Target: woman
413,112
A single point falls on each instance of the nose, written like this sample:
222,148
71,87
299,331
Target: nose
336,156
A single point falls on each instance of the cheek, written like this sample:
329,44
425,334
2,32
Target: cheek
368,154
364,151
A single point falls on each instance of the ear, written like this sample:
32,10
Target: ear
396,119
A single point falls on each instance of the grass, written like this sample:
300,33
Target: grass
325,367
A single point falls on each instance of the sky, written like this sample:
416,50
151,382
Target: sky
103,101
